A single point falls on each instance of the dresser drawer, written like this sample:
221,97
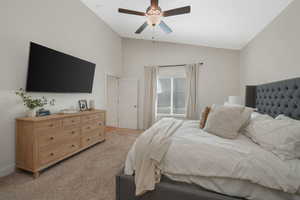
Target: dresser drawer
48,138
70,122
90,138
90,127
48,155
98,116
72,133
71,147
47,125
51,138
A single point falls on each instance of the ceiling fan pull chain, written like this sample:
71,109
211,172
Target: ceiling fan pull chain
153,33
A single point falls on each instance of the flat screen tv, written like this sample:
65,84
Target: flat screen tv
53,71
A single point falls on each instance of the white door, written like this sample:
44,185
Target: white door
112,101
128,103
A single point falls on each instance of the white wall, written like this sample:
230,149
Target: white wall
219,77
274,54
65,25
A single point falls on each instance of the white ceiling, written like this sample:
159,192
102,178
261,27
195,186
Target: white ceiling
216,23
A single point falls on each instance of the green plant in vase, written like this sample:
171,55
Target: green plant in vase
32,103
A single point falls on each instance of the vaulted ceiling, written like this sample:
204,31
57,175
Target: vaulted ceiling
216,23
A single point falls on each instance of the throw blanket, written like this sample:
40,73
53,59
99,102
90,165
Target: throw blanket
149,150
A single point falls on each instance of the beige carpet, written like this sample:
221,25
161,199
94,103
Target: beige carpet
89,175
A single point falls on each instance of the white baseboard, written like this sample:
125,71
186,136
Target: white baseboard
7,170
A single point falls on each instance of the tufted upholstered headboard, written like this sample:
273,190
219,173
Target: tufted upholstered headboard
282,97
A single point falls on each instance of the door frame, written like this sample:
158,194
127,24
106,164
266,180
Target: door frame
106,93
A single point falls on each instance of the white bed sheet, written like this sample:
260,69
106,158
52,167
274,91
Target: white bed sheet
232,187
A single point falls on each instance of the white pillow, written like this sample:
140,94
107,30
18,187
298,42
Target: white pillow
259,115
282,137
226,121
283,117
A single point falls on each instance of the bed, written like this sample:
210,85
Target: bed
273,99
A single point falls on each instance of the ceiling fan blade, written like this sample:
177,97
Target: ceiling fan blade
154,3
177,11
131,12
142,28
165,27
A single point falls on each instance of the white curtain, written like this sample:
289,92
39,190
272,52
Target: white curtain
192,77
150,96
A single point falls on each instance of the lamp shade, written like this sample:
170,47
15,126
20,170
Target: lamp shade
237,100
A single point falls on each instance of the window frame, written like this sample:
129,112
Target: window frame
172,96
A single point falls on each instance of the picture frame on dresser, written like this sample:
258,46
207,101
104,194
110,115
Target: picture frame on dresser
83,106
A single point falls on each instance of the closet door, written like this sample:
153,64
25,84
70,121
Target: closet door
112,101
128,103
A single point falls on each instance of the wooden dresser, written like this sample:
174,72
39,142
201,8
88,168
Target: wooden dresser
43,141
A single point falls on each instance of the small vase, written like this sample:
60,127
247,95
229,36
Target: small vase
31,113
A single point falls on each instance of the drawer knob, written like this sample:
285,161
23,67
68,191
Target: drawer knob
51,154
51,138
73,121
88,139
51,125
73,132
73,145
88,127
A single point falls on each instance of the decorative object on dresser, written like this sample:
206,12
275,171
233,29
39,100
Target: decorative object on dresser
33,104
42,112
44,141
83,105
92,104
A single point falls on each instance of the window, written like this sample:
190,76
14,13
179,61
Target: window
171,94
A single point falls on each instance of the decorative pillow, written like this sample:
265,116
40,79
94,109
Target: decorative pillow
226,121
282,137
247,113
204,116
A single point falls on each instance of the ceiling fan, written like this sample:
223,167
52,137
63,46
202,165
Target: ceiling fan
155,14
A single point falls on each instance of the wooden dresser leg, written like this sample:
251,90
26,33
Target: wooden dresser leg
36,174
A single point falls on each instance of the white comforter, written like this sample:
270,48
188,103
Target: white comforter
194,152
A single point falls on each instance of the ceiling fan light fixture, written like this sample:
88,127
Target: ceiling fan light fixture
153,16
153,20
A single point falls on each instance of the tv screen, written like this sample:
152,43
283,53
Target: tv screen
53,71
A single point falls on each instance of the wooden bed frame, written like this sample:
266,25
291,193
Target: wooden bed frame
276,98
